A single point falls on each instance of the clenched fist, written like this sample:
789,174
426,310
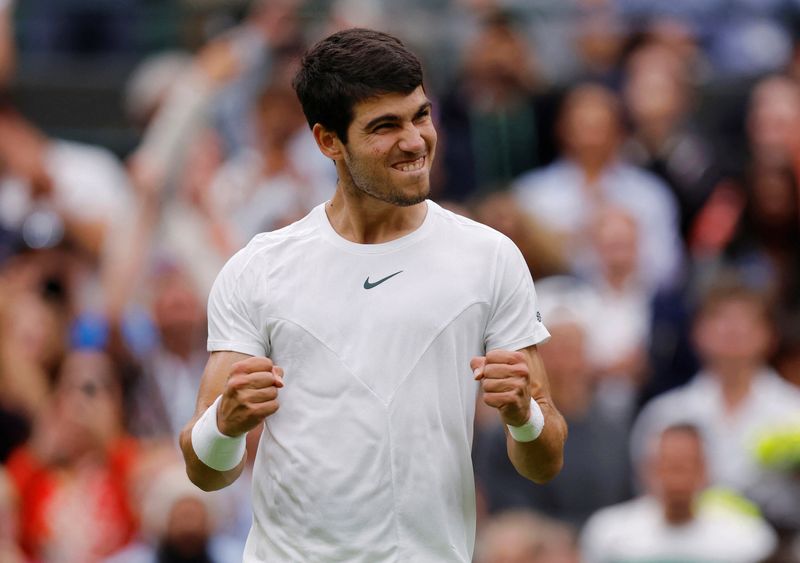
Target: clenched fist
250,395
505,380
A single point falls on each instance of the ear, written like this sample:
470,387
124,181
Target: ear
328,142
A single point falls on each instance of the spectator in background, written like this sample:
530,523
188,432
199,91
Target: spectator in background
658,99
180,524
180,153
673,522
72,478
773,122
9,549
682,38
772,145
787,357
765,246
567,194
620,336
8,50
493,125
52,188
542,248
598,439
170,97
169,369
32,340
743,38
600,37
31,331
736,400
271,32
276,181
525,537
149,83
752,224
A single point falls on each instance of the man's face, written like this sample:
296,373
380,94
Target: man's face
733,332
678,469
590,127
390,148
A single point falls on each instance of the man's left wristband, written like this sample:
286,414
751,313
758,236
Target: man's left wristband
532,429
215,449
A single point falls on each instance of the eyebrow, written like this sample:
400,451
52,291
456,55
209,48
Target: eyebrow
393,118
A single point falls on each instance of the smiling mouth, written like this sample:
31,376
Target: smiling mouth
410,165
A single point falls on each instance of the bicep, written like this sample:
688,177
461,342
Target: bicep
215,375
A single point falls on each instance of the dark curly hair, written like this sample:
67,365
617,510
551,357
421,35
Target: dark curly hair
348,67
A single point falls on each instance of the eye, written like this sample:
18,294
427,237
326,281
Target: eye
382,127
424,114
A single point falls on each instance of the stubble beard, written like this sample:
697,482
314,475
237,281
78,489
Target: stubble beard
364,183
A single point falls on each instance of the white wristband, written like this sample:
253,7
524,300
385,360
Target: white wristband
211,446
531,430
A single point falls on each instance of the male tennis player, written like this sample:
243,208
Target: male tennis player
373,321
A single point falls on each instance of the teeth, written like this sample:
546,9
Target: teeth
412,166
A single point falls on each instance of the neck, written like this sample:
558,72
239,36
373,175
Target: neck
655,134
363,219
678,513
573,401
180,344
735,380
593,166
617,278
276,160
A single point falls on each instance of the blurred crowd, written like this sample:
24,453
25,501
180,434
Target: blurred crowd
643,154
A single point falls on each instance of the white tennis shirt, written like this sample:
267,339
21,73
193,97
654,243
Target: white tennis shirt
368,458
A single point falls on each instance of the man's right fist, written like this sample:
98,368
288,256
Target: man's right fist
250,395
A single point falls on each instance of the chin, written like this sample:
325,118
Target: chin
407,200
416,196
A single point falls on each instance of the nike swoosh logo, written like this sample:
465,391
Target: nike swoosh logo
370,285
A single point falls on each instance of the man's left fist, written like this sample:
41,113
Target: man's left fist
505,380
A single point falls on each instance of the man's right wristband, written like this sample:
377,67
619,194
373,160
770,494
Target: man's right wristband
212,447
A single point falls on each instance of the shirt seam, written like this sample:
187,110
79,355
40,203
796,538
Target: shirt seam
333,352
428,346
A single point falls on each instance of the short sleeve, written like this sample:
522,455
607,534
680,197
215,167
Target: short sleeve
514,321
230,323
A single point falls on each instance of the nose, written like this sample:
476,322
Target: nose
412,140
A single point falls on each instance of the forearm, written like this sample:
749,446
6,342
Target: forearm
199,473
182,115
542,459
124,256
87,234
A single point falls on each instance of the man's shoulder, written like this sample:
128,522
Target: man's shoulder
618,517
452,220
686,404
683,404
466,233
646,182
697,386
85,152
543,178
770,383
268,245
86,163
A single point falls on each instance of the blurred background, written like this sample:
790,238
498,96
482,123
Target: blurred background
643,154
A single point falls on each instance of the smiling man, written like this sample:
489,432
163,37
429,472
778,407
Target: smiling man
373,321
